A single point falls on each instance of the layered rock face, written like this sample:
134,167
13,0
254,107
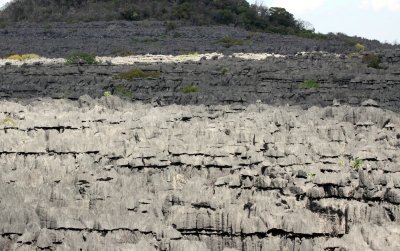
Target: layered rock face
231,152
112,38
108,174
275,80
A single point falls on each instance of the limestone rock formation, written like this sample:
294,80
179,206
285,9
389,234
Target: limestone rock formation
274,143
114,38
108,174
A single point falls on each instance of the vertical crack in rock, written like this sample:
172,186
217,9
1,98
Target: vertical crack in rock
120,175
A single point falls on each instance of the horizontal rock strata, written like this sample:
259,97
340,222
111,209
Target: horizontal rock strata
113,38
112,175
274,80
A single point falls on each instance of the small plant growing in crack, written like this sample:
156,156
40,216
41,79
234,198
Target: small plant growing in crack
137,74
81,58
357,164
311,176
224,71
8,121
190,89
107,94
341,163
123,92
309,84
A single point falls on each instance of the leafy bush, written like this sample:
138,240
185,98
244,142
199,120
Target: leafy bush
190,89
182,11
81,58
224,16
228,42
310,84
201,12
22,57
372,61
138,73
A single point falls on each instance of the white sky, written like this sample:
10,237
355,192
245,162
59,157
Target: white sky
374,19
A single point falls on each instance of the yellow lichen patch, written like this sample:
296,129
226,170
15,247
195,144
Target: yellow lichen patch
188,56
22,57
7,121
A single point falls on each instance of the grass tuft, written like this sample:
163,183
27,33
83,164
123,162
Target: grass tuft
310,84
138,73
190,89
357,164
81,57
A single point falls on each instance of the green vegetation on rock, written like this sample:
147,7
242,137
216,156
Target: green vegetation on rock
122,91
190,89
360,47
7,121
138,73
357,164
200,12
107,94
310,84
372,61
81,57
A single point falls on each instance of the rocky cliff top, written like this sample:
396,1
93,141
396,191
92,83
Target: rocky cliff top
233,141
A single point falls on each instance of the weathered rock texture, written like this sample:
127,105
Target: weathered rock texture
276,81
112,175
254,160
110,38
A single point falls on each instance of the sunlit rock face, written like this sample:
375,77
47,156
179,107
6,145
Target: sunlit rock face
108,174
256,147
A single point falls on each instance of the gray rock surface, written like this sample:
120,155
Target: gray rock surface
255,160
110,38
108,174
275,81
